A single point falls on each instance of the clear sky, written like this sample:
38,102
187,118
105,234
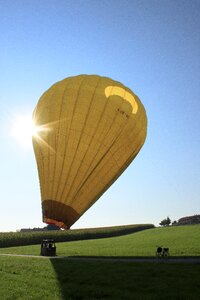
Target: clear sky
151,46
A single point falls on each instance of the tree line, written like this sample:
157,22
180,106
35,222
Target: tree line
189,220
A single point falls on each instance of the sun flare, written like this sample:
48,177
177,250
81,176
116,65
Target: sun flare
23,129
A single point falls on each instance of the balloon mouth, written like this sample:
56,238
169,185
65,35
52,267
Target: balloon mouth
52,209
55,222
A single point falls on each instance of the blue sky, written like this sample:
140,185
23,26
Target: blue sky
151,46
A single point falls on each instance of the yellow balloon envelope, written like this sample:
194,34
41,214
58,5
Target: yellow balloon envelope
89,129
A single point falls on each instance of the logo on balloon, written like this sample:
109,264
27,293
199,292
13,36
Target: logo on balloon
118,91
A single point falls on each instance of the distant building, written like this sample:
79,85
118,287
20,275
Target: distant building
32,229
48,227
189,220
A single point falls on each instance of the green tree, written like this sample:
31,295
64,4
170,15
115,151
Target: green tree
175,223
165,222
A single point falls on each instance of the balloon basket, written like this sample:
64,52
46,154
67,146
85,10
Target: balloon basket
48,248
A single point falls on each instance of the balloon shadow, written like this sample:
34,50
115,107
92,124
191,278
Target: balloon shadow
82,279
95,277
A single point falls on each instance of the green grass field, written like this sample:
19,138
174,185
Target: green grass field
24,278
55,279
181,240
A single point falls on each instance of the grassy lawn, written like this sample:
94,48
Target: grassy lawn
24,278
181,240
55,279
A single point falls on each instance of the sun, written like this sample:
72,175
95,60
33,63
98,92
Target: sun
23,129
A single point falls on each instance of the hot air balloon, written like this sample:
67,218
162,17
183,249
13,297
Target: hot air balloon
89,129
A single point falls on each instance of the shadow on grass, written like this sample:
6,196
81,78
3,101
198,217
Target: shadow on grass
111,279
90,279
